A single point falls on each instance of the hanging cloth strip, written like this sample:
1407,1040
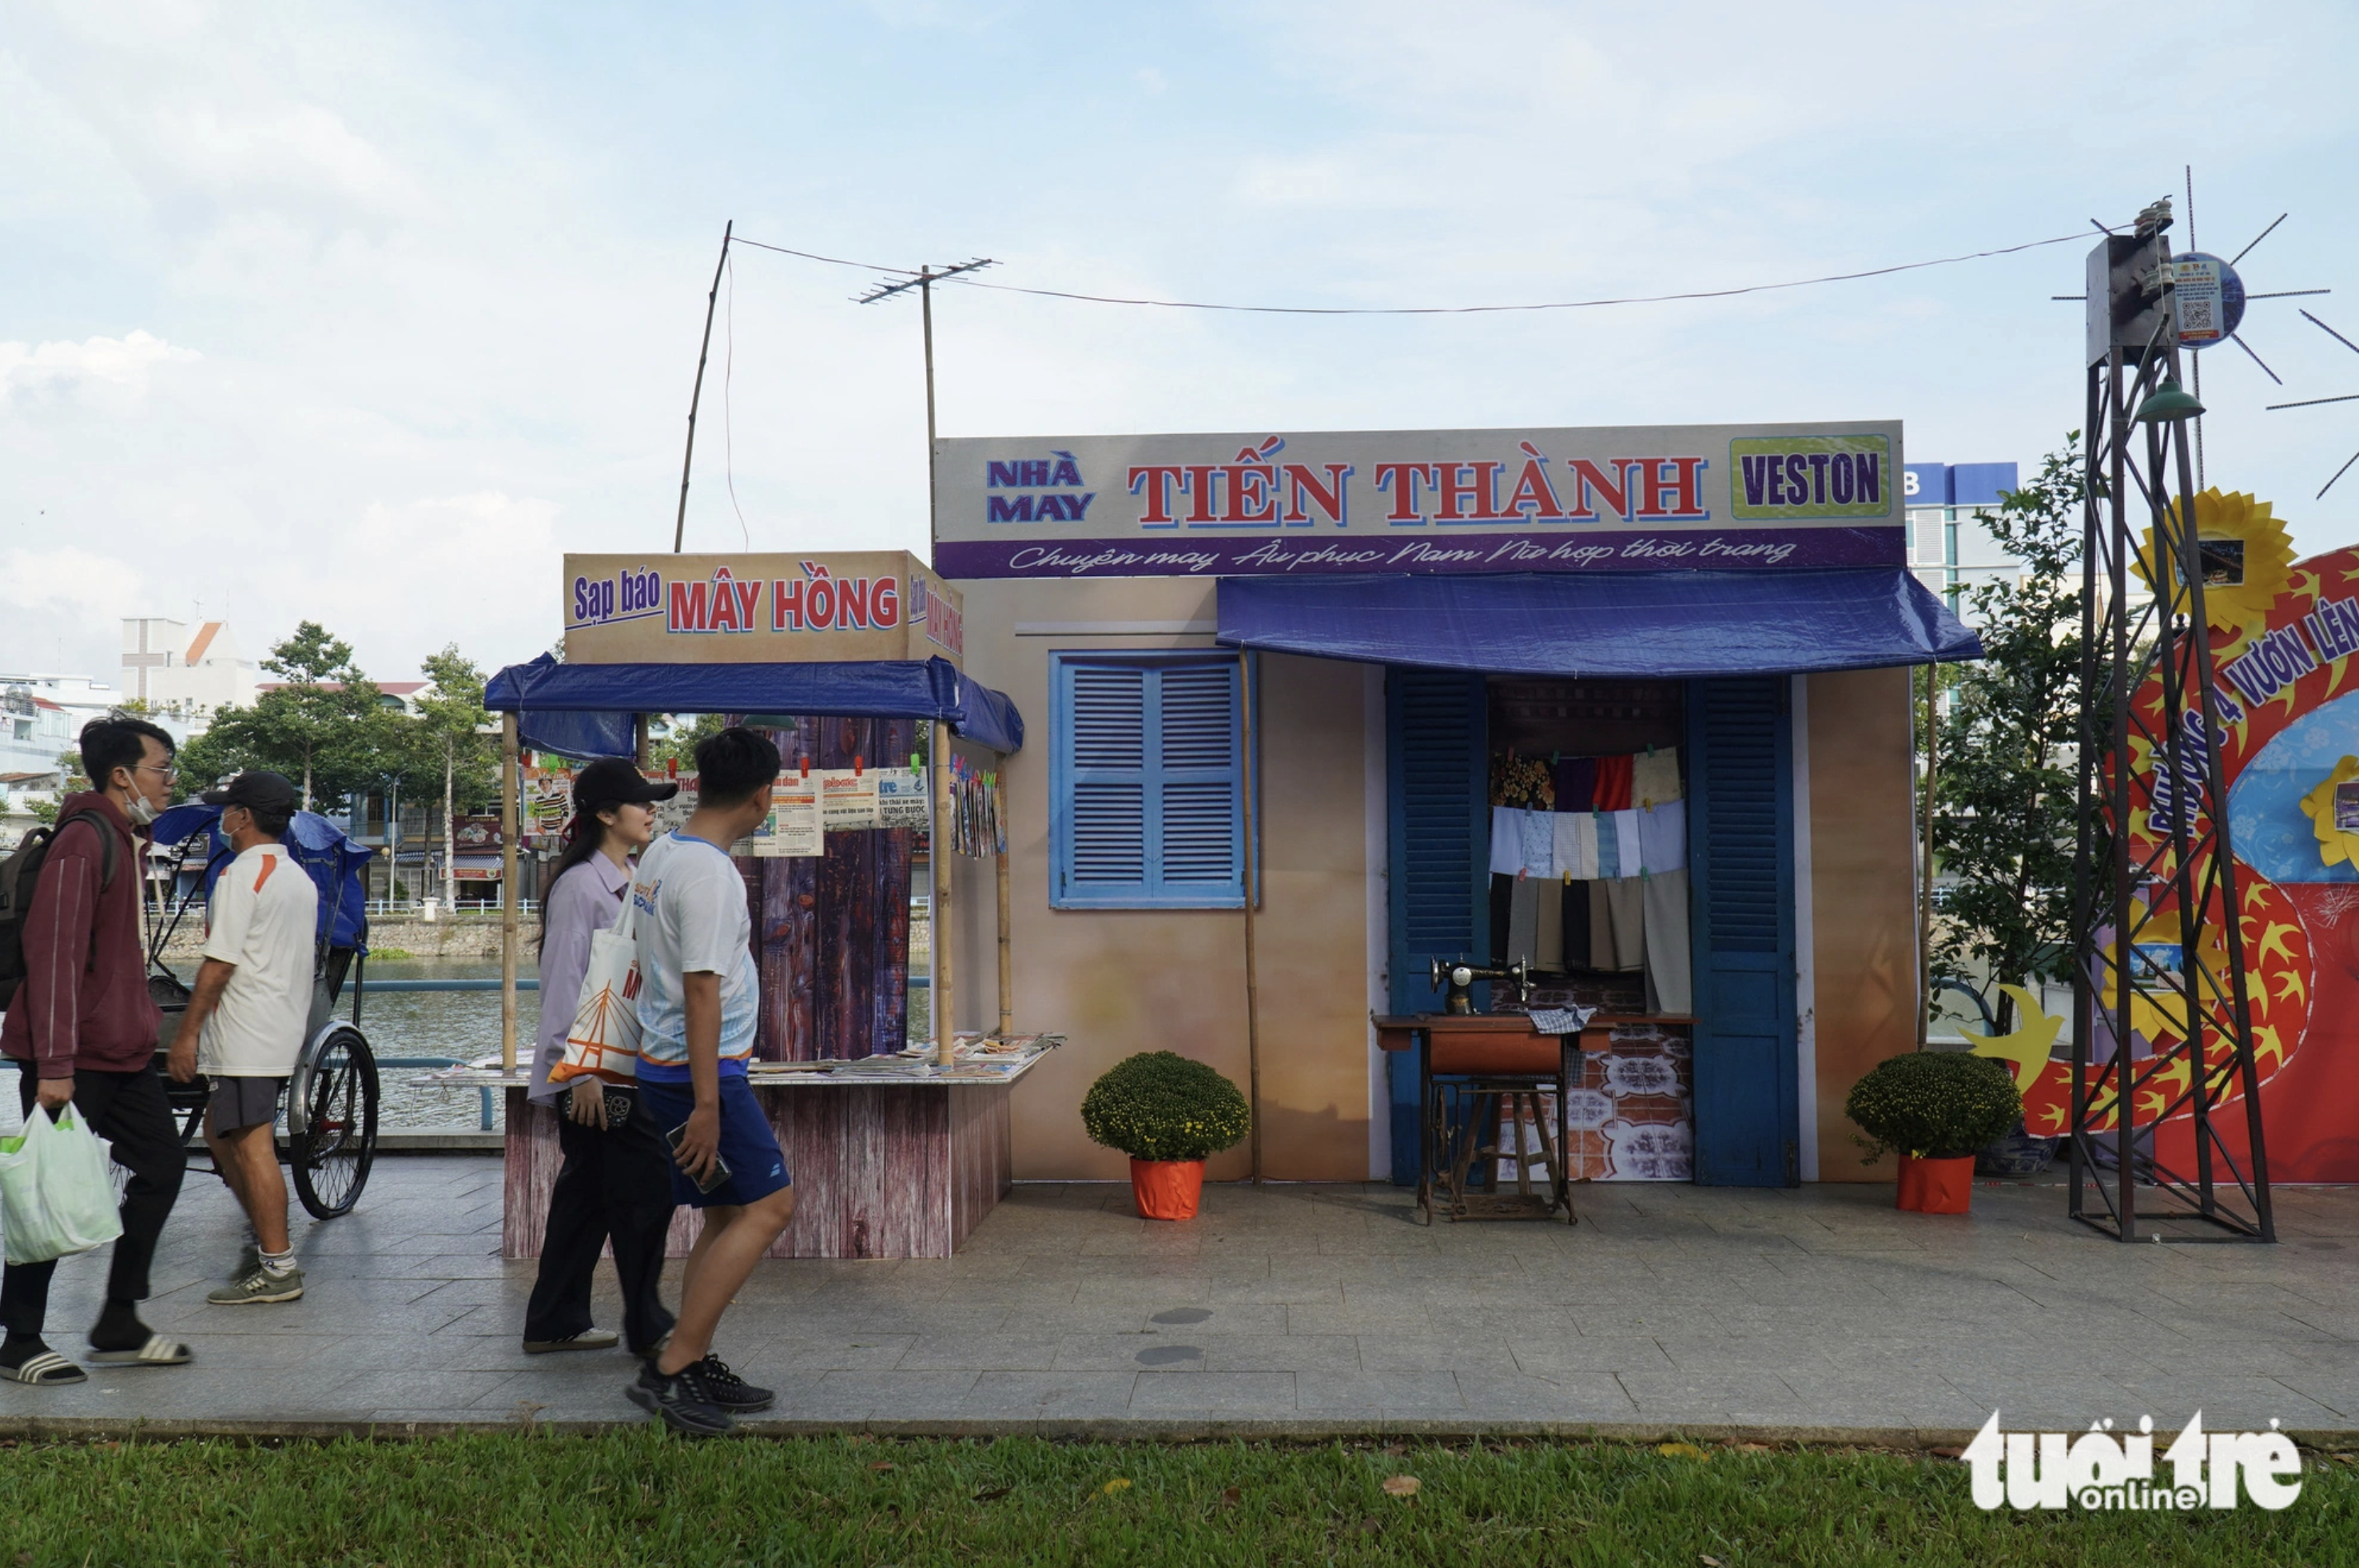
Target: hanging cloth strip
1576,783
1612,784
1609,847
1629,853
1663,838
1655,776
1506,841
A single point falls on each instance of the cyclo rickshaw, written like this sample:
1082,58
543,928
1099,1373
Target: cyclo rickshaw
332,1097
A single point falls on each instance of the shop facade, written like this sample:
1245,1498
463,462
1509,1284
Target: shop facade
1415,629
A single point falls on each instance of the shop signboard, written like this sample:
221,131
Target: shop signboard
747,608
1650,498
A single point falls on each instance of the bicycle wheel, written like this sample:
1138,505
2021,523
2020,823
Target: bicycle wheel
332,1152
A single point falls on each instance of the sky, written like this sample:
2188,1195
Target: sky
366,314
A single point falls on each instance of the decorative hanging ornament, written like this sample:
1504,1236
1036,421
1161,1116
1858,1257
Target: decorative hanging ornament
2247,560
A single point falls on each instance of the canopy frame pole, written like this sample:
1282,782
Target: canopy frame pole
1252,893
508,783
1006,955
938,955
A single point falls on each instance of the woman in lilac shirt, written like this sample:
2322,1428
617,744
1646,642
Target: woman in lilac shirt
616,1179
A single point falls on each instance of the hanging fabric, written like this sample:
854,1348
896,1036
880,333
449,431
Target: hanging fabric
1626,908
1575,916
1668,959
1576,783
1612,784
1601,929
1576,846
1536,830
1663,838
1548,928
1506,841
1654,776
1523,921
1629,853
1609,846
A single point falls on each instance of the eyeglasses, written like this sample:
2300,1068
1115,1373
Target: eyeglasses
170,774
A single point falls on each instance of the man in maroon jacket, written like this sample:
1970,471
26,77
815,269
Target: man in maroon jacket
82,1028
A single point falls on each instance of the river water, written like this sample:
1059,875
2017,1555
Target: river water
464,1025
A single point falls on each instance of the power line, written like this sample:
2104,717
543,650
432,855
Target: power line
1435,309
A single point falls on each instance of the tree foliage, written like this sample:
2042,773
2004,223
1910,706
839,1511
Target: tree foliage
2004,791
450,718
327,727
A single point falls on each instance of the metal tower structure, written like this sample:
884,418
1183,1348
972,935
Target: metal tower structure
2162,1026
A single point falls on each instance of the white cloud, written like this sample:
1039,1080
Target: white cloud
111,371
296,147
68,579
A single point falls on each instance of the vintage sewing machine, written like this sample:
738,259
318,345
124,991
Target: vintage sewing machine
1460,977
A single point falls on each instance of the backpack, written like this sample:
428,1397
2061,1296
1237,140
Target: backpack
20,873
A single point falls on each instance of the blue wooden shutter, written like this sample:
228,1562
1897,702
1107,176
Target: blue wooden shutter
1144,776
1741,852
1438,800
1200,815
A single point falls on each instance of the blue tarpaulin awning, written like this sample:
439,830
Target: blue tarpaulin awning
1660,625
584,710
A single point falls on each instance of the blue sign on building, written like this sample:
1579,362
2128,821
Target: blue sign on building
1959,484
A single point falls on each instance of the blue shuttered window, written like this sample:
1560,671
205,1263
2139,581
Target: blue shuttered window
1144,778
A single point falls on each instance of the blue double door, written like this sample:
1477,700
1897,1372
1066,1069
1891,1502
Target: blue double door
1740,877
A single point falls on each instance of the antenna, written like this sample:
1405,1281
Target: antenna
927,277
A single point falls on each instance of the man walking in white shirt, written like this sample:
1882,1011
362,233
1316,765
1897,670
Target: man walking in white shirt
244,1026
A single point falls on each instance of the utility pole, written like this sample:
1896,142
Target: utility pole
679,523
927,277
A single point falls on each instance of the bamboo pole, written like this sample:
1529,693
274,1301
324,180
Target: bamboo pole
1252,894
1006,958
1925,891
508,783
939,949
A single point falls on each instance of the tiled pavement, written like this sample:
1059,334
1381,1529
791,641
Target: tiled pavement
1307,1310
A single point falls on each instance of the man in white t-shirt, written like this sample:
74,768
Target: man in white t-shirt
244,1026
700,1001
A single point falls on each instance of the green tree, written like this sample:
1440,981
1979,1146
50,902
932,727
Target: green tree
452,719
326,726
2003,796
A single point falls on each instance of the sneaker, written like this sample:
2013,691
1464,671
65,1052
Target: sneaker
588,1339
680,1401
259,1286
249,1258
729,1392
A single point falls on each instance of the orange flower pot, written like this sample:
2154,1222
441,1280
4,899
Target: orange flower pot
1168,1189
1937,1186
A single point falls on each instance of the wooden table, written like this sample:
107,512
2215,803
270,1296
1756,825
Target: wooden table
882,1166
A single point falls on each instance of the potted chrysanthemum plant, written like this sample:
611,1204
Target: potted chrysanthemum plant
1168,1114
1934,1109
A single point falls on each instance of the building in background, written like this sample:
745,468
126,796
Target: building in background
1949,551
34,734
185,678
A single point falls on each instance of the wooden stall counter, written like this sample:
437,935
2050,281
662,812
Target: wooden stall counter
900,1159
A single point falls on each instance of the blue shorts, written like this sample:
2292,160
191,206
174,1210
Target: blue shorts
749,1146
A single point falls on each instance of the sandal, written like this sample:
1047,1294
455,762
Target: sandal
157,1352
46,1370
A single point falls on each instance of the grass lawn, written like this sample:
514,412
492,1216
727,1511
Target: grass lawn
638,1497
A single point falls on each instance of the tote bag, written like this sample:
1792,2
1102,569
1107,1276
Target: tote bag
604,1040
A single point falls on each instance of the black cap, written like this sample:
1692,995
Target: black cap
258,789
612,782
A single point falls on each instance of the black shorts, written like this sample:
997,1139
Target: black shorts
238,1104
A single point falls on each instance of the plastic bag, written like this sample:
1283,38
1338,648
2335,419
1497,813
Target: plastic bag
57,1196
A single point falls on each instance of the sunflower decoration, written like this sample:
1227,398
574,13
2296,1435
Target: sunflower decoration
2247,560
2336,845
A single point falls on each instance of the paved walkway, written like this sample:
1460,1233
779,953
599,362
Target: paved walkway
1304,1309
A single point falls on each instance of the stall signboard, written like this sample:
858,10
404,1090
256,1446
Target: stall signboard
759,609
1647,498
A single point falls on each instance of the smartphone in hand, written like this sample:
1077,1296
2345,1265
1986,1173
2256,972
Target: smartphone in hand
717,1175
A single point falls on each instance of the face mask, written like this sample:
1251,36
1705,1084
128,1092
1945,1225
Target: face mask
140,812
